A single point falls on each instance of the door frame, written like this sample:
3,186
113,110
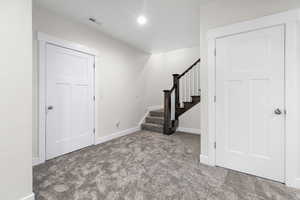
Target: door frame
290,21
43,40
277,88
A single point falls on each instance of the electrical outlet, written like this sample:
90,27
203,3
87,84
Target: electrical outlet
118,124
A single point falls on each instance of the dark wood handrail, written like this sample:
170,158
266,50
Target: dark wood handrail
186,71
170,125
191,67
171,90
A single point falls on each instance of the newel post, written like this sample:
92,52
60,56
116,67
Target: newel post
167,111
177,100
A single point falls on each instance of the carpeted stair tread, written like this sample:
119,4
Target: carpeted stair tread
152,127
157,113
155,120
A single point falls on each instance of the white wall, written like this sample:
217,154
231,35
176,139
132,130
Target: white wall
119,69
218,13
158,77
16,99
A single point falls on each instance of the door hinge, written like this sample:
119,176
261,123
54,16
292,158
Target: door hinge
215,99
94,98
215,52
94,66
284,111
215,145
94,130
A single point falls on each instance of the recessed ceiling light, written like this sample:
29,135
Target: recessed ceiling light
141,20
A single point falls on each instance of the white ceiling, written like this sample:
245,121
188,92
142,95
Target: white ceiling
172,24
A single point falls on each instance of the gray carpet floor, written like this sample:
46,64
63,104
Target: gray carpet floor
148,166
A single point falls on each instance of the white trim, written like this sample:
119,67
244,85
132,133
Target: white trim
189,130
36,161
43,40
263,22
211,104
66,44
204,159
292,77
290,19
42,101
94,104
29,197
297,183
144,117
107,138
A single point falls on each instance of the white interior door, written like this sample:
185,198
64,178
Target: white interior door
250,102
70,100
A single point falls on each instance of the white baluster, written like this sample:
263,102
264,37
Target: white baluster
192,82
189,85
186,87
181,91
196,80
199,85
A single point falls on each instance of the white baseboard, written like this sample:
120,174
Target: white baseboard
116,135
36,161
29,197
204,160
297,184
189,130
144,118
294,184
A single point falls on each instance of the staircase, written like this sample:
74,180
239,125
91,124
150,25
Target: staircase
183,96
154,121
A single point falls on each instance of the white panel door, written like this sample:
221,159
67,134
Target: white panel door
250,102
70,103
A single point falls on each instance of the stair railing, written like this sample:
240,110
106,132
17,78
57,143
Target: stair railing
185,86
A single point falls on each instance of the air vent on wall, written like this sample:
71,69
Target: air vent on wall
95,21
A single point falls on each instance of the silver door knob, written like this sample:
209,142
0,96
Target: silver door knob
277,111
50,108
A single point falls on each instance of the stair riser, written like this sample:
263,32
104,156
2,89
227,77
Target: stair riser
154,121
152,128
156,114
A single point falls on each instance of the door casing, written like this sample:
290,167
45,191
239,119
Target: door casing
43,40
269,162
290,21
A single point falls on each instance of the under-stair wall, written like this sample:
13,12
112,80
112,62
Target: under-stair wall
182,97
158,77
